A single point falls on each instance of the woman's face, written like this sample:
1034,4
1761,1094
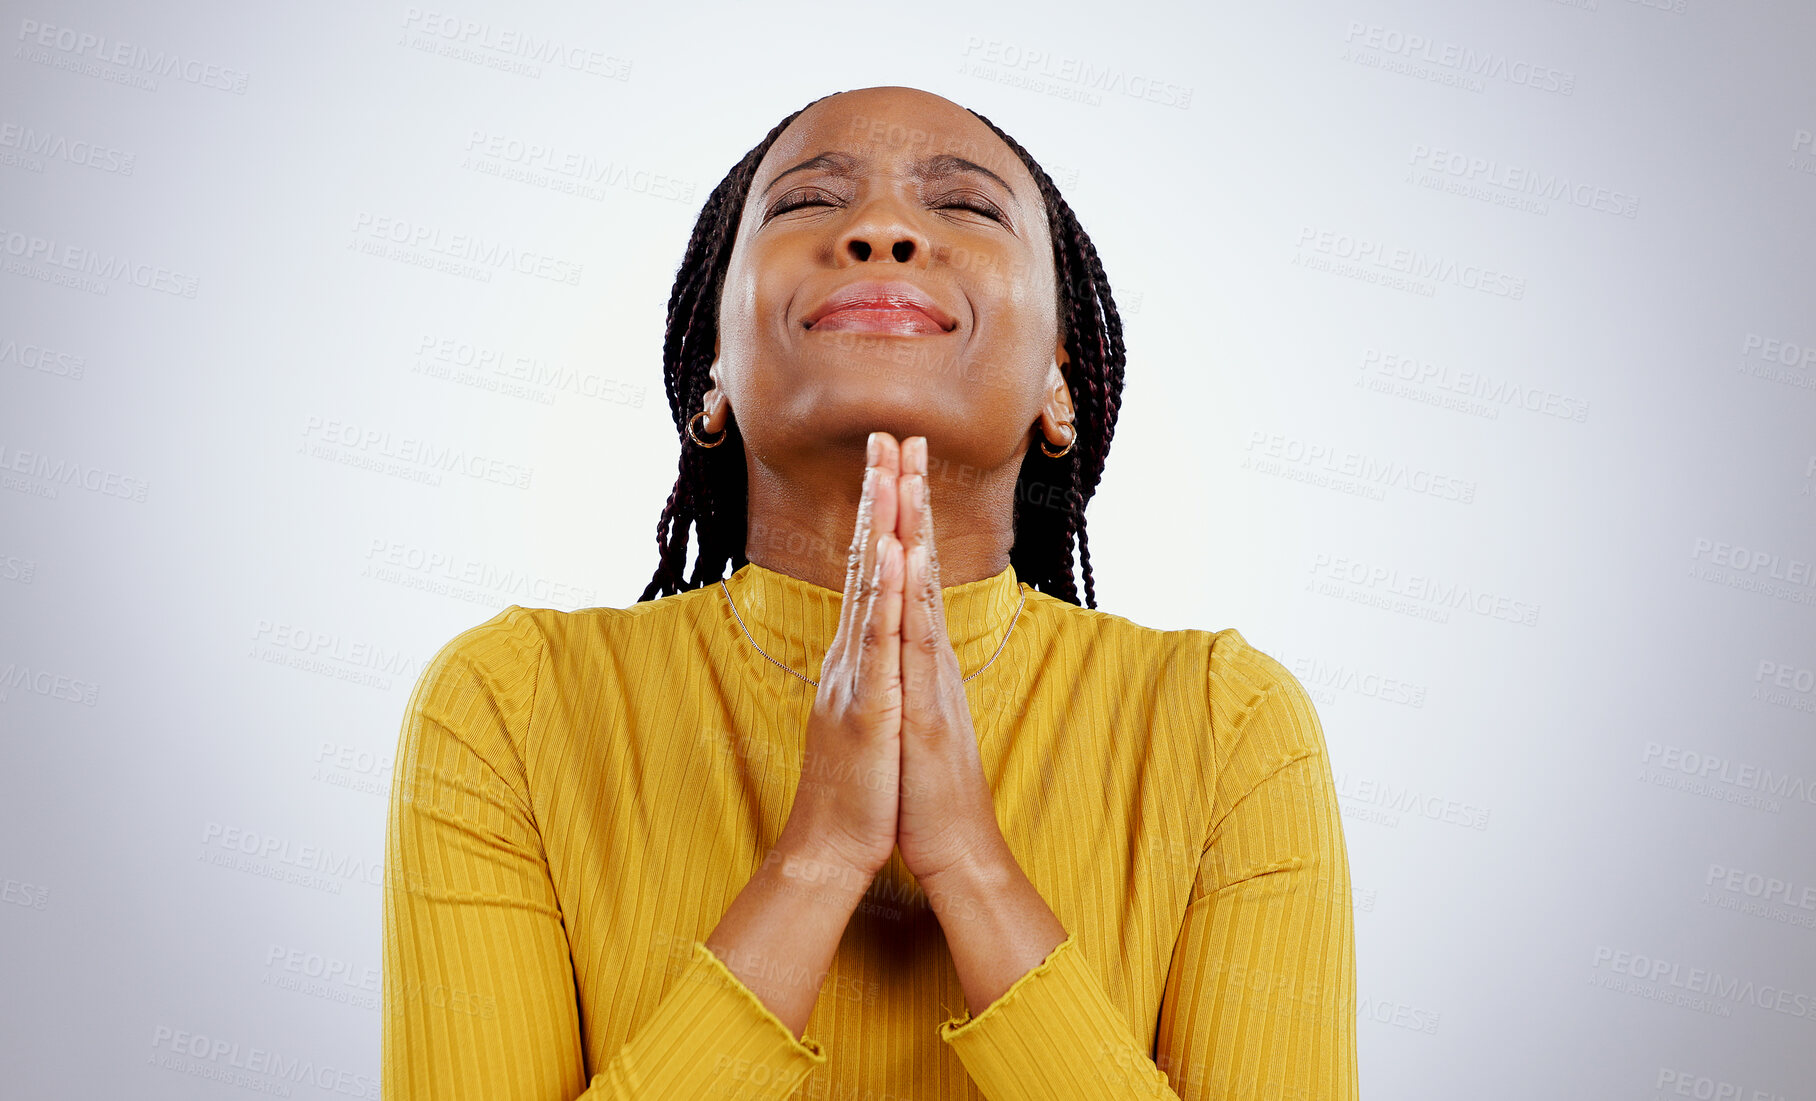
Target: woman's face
891,185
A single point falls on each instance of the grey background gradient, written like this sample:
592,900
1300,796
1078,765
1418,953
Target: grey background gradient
1471,372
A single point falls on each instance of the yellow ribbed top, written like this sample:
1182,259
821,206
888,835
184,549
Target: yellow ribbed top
579,796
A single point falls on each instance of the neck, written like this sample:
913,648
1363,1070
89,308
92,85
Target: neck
801,517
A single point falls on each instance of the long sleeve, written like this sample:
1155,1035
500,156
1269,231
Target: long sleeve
1055,1033
479,988
1260,993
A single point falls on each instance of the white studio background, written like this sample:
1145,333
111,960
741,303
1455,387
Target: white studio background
1472,373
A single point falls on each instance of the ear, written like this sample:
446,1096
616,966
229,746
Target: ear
1058,406
1059,394
1058,417
715,401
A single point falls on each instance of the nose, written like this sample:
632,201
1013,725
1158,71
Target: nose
879,229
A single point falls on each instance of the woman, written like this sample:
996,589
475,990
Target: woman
884,813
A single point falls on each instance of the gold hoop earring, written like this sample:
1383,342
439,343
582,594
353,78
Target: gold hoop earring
698,440
1062,452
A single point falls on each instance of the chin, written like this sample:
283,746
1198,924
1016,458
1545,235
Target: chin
845,415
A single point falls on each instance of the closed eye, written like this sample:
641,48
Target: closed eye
981,206
785,206
797,200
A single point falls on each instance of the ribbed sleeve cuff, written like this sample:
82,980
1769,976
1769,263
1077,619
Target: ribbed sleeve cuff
711,1037
1054,1033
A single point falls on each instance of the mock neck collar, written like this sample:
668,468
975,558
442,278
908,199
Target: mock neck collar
793,621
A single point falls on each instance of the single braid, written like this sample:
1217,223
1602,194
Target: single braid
710,492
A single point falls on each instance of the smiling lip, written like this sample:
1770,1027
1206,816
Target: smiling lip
871,306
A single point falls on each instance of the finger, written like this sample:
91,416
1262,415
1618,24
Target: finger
919,661
857,556
879,665
919,522
883,510
859,550
888,502
911,483
926,651
923,518
877,498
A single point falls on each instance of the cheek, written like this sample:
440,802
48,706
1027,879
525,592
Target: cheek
1025,298
738,297
742,306
1025,322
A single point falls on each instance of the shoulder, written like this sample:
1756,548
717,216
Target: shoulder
1247,707
1117,639
1097,627
1255,699
1238,675
506,638
1243,677
609,624
500,658
519,640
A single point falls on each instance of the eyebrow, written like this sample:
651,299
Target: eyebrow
942,164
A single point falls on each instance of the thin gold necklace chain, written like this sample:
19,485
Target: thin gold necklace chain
753,642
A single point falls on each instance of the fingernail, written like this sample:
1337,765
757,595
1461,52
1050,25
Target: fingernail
872,450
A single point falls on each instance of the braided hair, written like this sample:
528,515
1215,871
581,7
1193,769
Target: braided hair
1050,494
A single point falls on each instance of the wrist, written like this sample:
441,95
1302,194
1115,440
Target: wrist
964,887
803,859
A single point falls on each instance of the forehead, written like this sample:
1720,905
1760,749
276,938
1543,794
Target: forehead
894,130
